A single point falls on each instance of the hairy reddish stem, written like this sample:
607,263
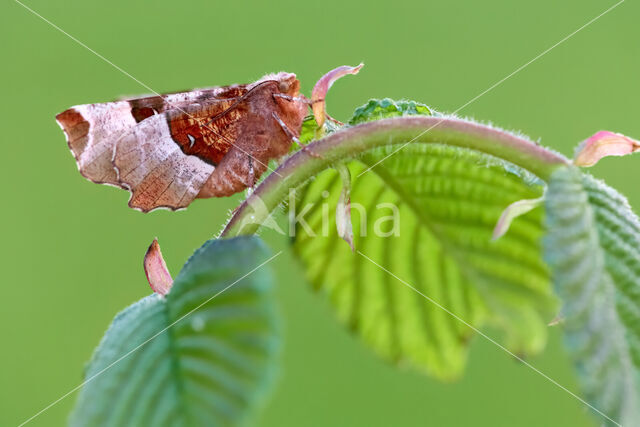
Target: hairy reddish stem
351,142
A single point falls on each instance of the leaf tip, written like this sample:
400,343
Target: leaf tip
156,270
602,144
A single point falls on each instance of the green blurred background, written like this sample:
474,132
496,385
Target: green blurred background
71,251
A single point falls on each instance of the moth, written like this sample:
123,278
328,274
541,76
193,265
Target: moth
170,149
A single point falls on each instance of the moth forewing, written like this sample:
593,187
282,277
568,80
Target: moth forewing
169,149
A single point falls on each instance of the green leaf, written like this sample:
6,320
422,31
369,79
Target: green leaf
385,108
169,362
375,109
450,180
310,130
448,200
593,247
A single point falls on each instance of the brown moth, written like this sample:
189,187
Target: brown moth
168,150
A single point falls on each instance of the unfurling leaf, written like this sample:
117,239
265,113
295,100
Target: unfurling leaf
603,144
513,211
319,92
156,270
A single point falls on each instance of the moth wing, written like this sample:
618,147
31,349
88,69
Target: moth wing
92,130
153,167
208,131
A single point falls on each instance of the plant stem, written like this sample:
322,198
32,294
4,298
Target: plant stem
351,142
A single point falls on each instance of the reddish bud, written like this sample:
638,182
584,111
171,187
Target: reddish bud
156,270
603,144
321,88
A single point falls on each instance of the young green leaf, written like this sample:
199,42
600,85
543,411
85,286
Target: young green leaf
593,248
427,215
201,356
432,190
377,109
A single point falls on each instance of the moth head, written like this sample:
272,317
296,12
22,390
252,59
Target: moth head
288,83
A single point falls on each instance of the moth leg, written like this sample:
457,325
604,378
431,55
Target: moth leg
292,136
252,173
285,128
